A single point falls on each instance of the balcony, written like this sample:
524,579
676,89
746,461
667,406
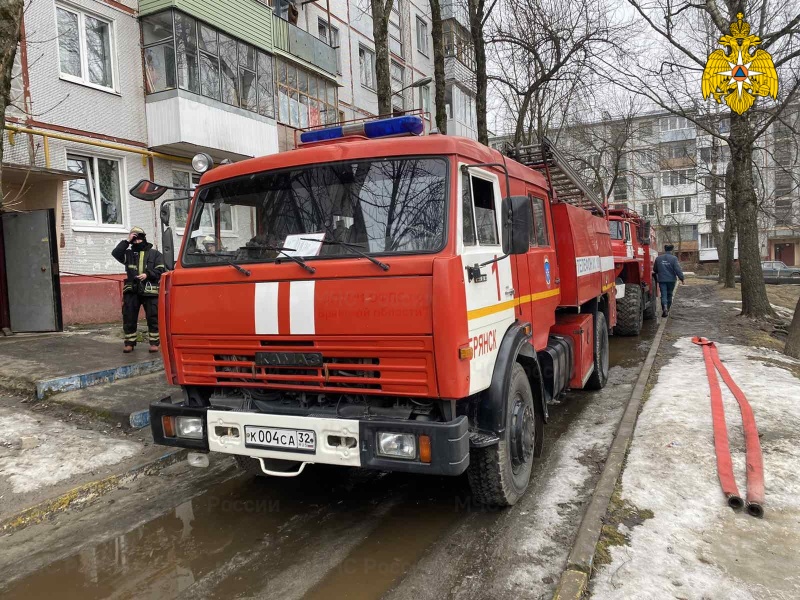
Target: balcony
293,40
183,123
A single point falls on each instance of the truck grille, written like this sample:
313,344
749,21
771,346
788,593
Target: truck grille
396,367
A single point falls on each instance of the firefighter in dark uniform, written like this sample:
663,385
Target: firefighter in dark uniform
144,266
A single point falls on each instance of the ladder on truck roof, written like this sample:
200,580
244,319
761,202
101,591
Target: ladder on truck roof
565,183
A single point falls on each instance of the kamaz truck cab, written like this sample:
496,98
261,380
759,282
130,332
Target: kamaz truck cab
633,240
386,300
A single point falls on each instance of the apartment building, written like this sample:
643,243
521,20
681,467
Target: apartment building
107,92
672,172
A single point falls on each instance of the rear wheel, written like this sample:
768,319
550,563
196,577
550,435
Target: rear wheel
630,312
650,305
599,377
499,475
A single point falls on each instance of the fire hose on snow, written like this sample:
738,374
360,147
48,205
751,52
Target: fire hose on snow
754,459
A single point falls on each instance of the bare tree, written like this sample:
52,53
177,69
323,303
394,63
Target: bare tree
10,22
381,13
538,42
669,75
438,65
478,14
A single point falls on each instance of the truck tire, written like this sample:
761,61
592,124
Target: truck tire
650,305
499,475
597,380
252,466
630,312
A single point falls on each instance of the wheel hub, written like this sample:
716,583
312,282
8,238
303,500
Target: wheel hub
522,433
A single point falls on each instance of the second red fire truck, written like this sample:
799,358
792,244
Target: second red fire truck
386,300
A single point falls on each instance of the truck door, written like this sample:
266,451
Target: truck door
490,290
545,292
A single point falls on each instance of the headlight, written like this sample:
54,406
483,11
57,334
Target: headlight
189,427
202,162
397,445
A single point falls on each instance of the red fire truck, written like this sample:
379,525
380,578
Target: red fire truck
632,241
382,299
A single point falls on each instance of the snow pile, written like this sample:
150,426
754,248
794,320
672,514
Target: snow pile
696,547
60,451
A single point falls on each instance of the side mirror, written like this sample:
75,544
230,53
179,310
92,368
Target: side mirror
147,190
168,248
646,233
517,224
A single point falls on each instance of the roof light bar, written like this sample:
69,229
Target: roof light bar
404,125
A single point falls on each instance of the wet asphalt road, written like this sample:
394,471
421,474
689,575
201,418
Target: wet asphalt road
330,533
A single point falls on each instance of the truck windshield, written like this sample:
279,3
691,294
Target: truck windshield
377,206
616,230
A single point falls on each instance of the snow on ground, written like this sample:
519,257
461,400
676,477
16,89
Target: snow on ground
61,451
695,547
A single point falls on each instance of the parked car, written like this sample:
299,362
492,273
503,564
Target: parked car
776,269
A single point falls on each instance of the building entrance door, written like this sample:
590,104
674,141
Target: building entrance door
785,253
31,266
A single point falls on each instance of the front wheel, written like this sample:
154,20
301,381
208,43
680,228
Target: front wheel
599,377
499,475
630,312
650,306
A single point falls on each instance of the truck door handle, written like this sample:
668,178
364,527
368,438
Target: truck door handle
558,280
509,291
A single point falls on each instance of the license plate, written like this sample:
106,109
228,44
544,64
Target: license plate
277,438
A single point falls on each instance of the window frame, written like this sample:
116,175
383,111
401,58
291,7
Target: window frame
494,181
372,74
82,13
422,34
97,225
331,32
534,242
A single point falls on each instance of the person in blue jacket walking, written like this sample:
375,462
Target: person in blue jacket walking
668,271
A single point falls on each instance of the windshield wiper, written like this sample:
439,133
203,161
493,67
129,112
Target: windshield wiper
226,260
281,250
353,247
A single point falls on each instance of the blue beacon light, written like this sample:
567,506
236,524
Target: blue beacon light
406,124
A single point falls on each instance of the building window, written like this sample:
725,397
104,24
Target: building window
95,199
673,206
676,234
422,36
184,179
673,123
718,209
649,209
425,99
646,128
181,52
678,177
707,241
678,150
304,98
395,30
621,188
366,67
783,212
647,184
85,45
458,44
396,72
784,183
330,35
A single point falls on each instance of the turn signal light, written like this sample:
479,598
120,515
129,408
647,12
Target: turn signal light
424,448
168,426
465,352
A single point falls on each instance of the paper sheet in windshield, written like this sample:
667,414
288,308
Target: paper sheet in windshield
304,247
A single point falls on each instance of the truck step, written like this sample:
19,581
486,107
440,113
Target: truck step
479,439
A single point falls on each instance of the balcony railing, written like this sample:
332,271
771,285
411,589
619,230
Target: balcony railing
295,41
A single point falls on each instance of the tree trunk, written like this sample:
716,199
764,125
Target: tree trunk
521,116
726,267
476,8
754,292
10,21
438,65
380,33
793,341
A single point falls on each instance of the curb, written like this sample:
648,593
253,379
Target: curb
69,383
575,577
86,493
